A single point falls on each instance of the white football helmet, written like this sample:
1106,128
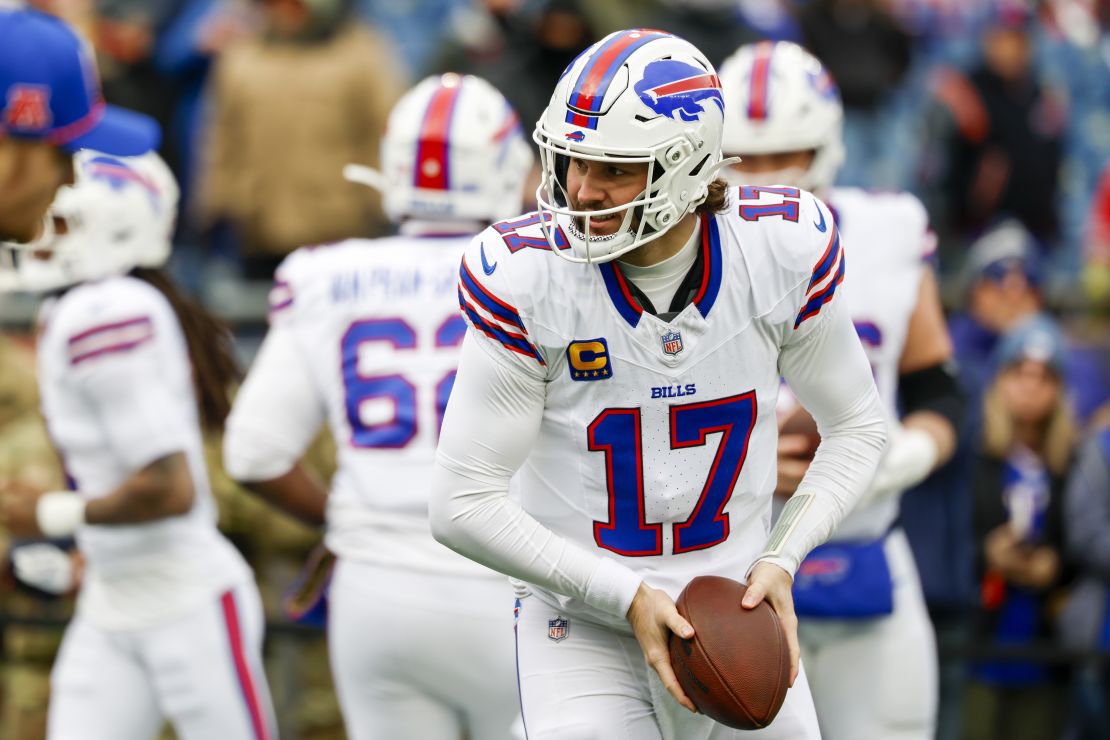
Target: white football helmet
780,98
635,96
118,215
453,150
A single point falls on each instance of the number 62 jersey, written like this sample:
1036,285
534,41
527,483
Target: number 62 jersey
657,441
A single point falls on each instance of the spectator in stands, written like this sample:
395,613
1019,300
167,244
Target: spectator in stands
1000,281
1004,147
521,52
868,54
1027,441
1084,623
1001,278
125,35
188,45
289,110
717,27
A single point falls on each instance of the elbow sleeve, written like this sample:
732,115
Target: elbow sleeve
934,388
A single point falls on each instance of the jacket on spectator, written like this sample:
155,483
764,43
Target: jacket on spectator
1011,614
286,118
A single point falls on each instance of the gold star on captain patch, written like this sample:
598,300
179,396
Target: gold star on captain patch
595,373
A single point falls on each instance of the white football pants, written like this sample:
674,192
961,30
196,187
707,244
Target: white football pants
419,656
594,684
202,672
876,679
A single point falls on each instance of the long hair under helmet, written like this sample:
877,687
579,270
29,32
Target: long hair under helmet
780,98
638,96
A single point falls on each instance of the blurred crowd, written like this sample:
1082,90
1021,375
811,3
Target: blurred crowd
984,109
994,112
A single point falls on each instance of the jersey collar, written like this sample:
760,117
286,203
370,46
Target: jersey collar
701,286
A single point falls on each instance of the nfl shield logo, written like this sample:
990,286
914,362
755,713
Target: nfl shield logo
672,342
558,629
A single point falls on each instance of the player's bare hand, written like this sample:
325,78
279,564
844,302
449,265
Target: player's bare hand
793,462
18,502
653,617
771,583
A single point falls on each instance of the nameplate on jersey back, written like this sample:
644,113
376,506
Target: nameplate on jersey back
588,359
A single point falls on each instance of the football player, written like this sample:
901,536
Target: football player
365,335
622,360
169,622
865,633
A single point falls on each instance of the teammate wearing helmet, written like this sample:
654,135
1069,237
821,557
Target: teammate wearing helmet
865,633
622,361
169,622
365,335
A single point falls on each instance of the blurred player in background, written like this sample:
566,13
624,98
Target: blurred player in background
623,361
365,336
50,106
169,623
865,633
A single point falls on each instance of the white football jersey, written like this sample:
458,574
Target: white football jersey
378,324
888,240
117,394
658,439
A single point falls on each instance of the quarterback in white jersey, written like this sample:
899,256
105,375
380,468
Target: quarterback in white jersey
634,400
865,631
365,335
169,622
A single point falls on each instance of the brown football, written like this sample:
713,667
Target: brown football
800,422
736,667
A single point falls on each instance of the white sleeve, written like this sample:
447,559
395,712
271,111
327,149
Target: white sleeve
128,390
491,423
276,413
829,373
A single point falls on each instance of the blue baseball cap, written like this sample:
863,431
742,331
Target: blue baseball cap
1038,339
1007,247
49,90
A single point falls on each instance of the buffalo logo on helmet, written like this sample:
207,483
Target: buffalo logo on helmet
116,174
677,89
576,136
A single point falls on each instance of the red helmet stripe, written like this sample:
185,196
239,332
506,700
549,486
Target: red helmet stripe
433,146
761,72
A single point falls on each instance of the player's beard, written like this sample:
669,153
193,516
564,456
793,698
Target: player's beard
617,219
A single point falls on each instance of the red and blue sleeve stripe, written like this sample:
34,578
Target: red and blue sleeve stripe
598,72
504,324
113,338
819,293
827,261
